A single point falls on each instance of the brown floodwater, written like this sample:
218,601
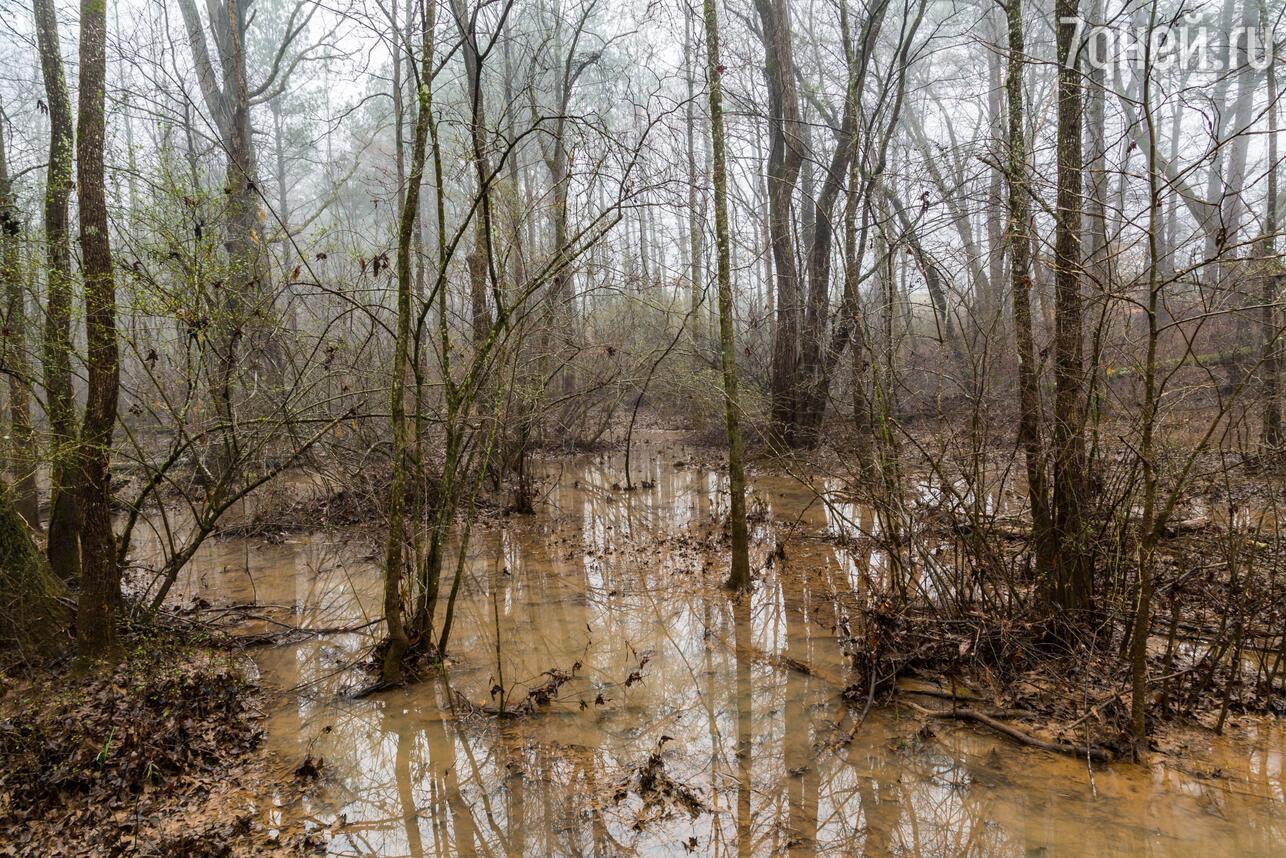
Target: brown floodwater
692,724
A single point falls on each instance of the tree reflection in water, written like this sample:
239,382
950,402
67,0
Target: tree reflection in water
746,689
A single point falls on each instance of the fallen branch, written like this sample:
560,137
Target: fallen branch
288,634
1092,711
965,694
1189,525
1098,754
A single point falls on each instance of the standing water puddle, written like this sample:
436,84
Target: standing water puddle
690,725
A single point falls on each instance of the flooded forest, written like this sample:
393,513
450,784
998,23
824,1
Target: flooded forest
642,427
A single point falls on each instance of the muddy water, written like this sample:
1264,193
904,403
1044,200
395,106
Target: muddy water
691,725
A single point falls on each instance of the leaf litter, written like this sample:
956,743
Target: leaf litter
152,757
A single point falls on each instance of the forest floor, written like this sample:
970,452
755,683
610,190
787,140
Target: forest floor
162,756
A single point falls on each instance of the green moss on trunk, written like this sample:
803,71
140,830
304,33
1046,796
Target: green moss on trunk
33,619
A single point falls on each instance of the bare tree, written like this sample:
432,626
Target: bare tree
1029,415
785,157
739,576
396,545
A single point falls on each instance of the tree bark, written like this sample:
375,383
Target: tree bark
1071,586
393,557
63,546
785,156
33,620
739,575
1029,406
100,589
23,460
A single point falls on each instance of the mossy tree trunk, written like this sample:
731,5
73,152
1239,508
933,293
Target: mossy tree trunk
13,353
64,518
33,620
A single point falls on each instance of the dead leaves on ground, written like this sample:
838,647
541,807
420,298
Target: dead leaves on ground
153,758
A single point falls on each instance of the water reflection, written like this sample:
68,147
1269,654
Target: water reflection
738,698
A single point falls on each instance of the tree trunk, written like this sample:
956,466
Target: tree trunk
479,261
1029,416
988,303
517,250
100,588
886,288
1270,279
63,546
1149,526
694,225
558,163
1071,585
241,315
1095,234
854,325
739,576
283,209
1216,174
393,557
811,400
1240,118
242,304
32,617
23,460
785,156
